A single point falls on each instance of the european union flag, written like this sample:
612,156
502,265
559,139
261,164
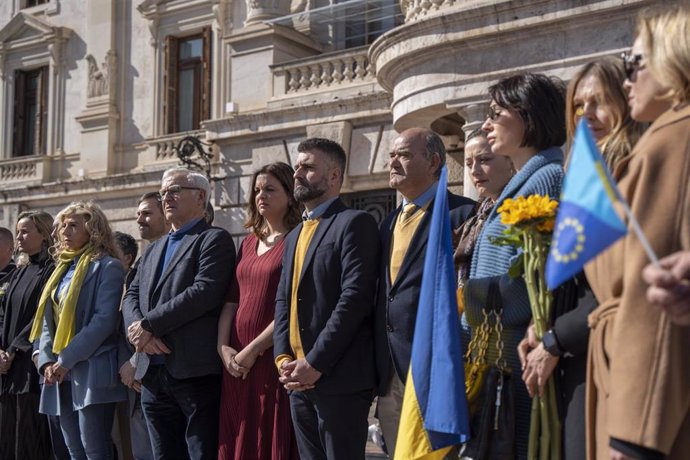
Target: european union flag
586,223
434,412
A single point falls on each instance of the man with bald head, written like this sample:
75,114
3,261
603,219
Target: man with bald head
415,164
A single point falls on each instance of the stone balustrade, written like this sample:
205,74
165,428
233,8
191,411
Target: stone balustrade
326,71
21,169
165,145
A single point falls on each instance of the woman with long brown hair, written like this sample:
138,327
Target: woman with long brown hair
255,411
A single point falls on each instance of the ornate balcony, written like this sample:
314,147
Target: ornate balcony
22,169
326,72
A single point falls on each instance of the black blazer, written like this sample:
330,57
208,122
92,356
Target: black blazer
396,306
184,305
15,329
335,299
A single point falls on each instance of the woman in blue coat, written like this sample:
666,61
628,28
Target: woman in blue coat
76,320
526,123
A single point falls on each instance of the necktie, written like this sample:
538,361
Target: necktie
403,232
408,211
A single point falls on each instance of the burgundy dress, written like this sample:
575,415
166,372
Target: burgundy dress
255,413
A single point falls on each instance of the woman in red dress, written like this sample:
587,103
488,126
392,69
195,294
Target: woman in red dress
255,411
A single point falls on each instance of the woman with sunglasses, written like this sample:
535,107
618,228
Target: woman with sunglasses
526,124
639,370
595,94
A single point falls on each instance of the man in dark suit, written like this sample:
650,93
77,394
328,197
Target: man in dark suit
415,164
171,310
323,336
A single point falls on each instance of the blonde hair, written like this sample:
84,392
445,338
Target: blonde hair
97,226
625,131
44,224
665,34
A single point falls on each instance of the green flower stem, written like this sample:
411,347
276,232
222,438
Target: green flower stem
545,427
545,435
534,430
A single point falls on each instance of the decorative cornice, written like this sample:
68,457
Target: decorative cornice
275,122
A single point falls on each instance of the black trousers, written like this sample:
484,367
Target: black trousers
23,431
330,427
181,414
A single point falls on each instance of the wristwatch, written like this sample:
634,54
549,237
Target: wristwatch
146,325
551,343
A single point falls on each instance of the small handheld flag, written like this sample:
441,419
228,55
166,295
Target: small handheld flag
434,413
586,223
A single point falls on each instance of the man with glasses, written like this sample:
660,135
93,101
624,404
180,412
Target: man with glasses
171,310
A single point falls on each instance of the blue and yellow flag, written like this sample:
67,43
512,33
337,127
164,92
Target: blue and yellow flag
434,413
586,223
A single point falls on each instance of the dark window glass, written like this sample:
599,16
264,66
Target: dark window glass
30,112
30,3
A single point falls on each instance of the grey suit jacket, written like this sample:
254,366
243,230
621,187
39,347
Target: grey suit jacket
184,304
91,355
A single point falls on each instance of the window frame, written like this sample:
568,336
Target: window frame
202,80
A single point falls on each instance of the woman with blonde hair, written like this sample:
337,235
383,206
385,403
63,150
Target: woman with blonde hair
596,94
25,433
76,320
638,378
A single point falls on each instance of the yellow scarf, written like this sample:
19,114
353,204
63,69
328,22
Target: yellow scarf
64,311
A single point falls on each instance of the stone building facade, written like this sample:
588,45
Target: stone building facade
96,95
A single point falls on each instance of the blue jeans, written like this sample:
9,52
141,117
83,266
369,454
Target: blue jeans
86,431
181,414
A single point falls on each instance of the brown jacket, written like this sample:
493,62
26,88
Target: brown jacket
638,380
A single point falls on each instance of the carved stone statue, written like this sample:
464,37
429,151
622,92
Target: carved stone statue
99,83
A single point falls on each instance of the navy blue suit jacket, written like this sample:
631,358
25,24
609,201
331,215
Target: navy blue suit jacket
184,305
396,308
336,295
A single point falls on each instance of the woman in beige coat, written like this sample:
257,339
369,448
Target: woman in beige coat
638,387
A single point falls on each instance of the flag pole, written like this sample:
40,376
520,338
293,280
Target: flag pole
638,231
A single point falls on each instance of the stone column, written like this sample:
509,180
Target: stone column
474,115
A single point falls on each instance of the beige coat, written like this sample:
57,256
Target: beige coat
638,379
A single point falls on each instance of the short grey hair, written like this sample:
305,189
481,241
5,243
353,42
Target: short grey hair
194,179
434,144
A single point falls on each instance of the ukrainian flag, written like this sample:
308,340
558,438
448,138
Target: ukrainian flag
586,223
434,413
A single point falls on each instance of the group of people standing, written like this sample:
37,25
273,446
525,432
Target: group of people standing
278,350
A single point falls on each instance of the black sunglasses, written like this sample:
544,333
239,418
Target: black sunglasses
631,65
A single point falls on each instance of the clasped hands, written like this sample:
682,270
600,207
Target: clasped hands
145,341
54,373
537,363
298,375
5,361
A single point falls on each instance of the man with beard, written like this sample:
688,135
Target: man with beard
152,226
415,164
323,336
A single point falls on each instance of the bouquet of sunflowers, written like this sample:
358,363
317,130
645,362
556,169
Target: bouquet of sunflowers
530,223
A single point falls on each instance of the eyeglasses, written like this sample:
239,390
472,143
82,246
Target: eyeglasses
175,190
493,114
631,65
